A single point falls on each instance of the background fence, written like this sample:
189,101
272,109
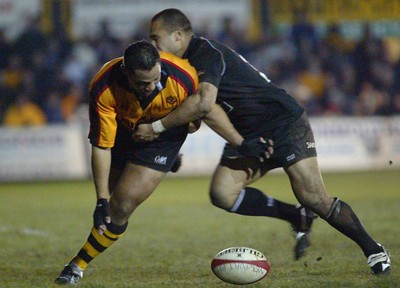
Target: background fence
62,151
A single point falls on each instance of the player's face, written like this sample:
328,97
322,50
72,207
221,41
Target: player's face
144,82
162,39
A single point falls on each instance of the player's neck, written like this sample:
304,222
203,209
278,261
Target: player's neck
184,45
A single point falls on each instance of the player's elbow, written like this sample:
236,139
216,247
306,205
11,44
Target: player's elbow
205,108
206,98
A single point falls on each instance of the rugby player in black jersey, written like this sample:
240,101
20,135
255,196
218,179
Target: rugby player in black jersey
256,107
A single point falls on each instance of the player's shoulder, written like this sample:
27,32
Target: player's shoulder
105,70
110,64
203,50
204,44
174,62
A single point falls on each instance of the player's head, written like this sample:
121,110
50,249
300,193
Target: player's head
142,67
171,31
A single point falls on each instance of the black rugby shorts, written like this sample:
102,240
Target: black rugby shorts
292,143
159,154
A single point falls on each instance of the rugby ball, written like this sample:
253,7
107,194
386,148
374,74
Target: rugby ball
240,265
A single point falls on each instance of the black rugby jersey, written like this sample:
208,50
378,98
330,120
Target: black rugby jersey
253,103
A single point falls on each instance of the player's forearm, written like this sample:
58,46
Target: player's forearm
189,111
101,162
195,107
218,121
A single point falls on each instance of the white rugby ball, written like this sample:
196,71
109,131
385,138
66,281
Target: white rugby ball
240,265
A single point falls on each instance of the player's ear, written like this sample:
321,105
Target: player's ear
178,34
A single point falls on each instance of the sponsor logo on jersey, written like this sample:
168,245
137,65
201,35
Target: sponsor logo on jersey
310,145
171,100
161,159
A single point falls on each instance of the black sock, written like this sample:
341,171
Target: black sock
342,217
98,243
253,202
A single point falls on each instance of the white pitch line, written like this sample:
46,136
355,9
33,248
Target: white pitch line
34,232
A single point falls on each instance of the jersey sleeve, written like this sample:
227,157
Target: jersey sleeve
102,115
209,63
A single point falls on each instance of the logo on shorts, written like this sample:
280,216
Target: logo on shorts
290,157
161,160
310,145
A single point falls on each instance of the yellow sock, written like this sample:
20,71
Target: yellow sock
97,243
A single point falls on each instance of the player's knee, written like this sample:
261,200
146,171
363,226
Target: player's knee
219,200
334,211
120,211
215,199
319,206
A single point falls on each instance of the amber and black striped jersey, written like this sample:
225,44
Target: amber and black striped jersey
112,100
251,100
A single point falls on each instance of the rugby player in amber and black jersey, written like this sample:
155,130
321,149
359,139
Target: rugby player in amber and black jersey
256,107
142,86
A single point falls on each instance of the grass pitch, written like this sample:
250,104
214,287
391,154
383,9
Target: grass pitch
173,236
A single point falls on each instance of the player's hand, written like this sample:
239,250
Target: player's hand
101,215
257,147
144,133
194,126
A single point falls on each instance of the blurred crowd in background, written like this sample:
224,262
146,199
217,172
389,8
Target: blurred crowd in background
44,78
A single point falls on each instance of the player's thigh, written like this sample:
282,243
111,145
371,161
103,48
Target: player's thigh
136,184
308,185
231,176
115,174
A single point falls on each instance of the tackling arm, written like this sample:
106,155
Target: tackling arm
218,121
193,108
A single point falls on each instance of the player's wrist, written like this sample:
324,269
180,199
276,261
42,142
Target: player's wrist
101,200
158,127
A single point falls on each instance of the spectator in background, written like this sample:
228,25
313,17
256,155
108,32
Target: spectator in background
31,40
362,58
334,101
229,34
48,59
303,34
11,79
395,103
44,76
24,112
74,71
52,107
85,52
107,45
396,74
13,74
313,77
372,101
71,102
5,49
141,30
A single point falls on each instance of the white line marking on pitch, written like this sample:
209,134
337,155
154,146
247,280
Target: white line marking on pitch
25,231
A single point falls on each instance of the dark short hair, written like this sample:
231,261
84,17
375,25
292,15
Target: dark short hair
141,55
173,19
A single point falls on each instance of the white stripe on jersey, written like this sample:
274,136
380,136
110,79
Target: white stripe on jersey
222,55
